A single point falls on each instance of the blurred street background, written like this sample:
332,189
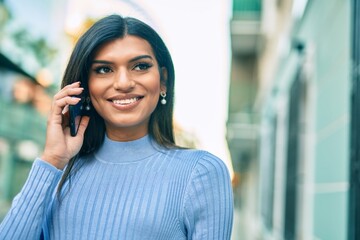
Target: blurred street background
270,86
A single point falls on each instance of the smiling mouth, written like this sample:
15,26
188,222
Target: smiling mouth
126,101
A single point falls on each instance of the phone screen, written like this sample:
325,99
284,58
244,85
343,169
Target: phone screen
75,115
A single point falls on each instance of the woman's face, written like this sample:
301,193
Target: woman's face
124,86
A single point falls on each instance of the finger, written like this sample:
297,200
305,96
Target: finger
59,105
83,125
68,92
74,84
65,120
65,110
71,85
67,130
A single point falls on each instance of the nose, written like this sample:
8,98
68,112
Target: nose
123,81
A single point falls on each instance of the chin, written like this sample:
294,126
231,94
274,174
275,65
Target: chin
128,123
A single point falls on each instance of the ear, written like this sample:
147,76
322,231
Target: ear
163,78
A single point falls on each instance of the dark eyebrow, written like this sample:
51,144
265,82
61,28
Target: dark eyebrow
131,60
140,57
101,62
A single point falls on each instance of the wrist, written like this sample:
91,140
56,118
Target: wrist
55,161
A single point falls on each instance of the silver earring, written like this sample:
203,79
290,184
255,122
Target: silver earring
88,107
163,95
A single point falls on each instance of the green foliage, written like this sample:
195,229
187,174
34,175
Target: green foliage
4,15
38,46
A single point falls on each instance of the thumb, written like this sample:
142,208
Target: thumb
83,125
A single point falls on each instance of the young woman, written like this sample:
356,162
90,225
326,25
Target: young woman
122,176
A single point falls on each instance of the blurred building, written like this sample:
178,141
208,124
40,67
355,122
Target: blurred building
242,125
293,118
27,60
22,127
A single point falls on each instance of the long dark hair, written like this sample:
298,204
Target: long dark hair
105,30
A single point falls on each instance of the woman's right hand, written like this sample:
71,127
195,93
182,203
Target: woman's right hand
60,146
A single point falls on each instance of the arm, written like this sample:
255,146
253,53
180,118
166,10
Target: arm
208,203
26,215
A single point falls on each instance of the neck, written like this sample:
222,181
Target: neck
126,151
127,133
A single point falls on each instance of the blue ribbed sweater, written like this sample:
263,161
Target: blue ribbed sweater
126,190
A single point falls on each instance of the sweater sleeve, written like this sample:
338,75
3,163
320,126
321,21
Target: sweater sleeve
208,202
25,217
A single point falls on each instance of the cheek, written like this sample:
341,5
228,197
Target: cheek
156,89
92,86
95,91
155,92
153,86
96,87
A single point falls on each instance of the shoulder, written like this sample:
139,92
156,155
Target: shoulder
211,166
202,162
208,185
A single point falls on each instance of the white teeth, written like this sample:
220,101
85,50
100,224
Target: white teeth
125,101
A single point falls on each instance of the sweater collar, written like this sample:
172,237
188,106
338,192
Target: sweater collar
125,152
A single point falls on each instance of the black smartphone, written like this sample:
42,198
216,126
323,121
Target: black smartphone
76,112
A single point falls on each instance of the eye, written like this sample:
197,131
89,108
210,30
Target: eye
142,66
102,70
